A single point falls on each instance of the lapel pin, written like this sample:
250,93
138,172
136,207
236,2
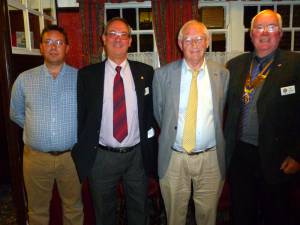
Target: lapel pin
279,65
142,78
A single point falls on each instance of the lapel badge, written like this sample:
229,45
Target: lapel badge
279,65
142,77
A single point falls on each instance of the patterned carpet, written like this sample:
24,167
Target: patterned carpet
8,214
7,211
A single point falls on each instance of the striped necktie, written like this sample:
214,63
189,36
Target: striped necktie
120,129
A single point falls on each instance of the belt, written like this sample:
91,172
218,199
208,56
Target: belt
194,153
117,150
56,153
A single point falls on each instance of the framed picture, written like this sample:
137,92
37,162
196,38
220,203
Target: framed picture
21,39
212,17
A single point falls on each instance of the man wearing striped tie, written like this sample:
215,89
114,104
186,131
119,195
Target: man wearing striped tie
116,138
189,97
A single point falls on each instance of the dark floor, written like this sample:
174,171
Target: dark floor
8,214
7,211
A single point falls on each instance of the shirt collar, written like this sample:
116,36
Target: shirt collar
113,65
264,59
46,72
187,68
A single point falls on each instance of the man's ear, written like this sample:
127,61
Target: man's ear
179,42
207,42
281,34
67,49
41,49
103,39
251,34
130,41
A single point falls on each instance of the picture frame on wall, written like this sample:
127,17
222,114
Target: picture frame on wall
21,39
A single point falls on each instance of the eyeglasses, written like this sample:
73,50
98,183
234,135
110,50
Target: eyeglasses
115,34
196,40
271,28
57,43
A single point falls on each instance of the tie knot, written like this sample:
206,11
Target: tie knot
195,73
118,69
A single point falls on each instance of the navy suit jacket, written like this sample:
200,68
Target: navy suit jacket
90,98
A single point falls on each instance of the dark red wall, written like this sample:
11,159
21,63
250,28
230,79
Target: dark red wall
70,20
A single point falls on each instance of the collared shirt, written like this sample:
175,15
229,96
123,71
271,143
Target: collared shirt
263,61
46,108
106,132
249,126
205,131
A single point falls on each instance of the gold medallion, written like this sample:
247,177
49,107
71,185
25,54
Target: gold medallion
250,86
246,98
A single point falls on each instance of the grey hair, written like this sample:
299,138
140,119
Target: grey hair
268,11
180,34
117,19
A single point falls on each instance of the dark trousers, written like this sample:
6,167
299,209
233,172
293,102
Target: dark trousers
108,169
254,201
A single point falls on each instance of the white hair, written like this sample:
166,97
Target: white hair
180,34
267,11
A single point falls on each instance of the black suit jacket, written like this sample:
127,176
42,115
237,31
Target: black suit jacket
90,98
278,114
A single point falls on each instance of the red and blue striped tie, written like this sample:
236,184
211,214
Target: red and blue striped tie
120,129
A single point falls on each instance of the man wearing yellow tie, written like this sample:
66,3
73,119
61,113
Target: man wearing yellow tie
188,98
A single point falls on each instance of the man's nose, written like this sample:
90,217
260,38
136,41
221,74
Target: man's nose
53,45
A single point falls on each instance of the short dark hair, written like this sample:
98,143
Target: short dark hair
117,19
57,28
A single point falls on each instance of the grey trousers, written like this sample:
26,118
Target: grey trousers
108,169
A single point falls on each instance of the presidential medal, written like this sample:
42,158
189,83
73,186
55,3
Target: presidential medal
246,98
250,86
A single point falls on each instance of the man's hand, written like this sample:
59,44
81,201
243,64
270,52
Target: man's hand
290,166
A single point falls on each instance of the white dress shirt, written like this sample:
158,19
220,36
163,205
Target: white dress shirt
106,131
205,130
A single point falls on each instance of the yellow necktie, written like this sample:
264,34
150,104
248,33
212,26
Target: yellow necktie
189,131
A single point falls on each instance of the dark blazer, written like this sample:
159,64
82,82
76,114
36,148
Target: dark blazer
90,98
278,114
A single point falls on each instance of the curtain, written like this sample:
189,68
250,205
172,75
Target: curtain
168,17
92,20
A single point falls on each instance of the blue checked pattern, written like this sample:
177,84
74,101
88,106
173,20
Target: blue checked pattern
46,108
